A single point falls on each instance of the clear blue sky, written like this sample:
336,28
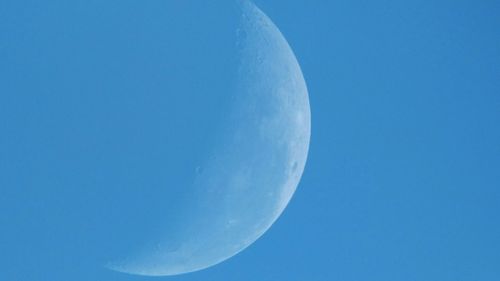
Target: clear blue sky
403,176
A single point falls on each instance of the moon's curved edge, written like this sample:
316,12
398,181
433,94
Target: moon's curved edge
250,10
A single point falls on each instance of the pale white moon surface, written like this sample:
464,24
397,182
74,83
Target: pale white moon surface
252,170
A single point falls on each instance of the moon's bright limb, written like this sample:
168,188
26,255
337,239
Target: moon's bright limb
256,166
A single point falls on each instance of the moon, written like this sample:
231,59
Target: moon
254,167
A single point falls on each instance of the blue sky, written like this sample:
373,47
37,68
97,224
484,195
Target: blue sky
403,176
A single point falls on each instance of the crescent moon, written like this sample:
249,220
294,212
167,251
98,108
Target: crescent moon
257,164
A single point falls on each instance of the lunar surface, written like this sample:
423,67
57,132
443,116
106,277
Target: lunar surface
253,168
